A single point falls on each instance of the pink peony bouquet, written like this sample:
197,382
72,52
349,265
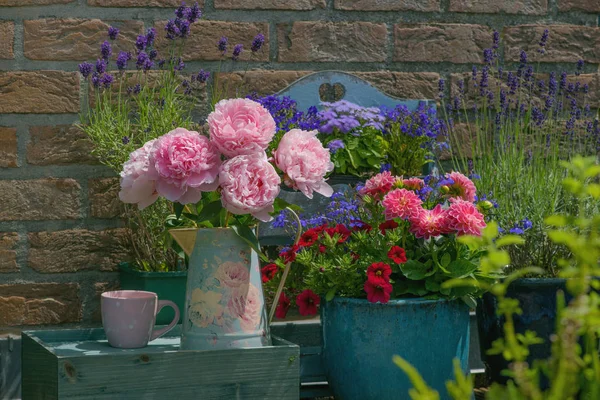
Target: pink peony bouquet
389,238
227,175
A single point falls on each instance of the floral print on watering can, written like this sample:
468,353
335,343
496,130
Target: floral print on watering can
224,305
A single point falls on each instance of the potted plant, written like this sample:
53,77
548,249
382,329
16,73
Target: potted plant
376,267
136,97
524,125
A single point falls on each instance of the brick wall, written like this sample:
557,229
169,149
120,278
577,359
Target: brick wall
58,233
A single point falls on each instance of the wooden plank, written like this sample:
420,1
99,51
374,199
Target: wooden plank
39,371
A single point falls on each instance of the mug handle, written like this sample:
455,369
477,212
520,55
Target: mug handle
161,304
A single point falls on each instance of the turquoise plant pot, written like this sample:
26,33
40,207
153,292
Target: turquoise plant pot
360,338
224,302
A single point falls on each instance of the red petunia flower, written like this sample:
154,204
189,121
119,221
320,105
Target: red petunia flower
289,255
322,248
308,238
397,254
378,291
361,226
355,256
379,271
387,225
343,232
268,272
282,306
307,302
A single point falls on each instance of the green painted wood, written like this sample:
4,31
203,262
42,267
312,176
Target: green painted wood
39,370
91,369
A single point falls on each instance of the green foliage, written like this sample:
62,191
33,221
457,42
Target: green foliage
406,154
363,154
573,370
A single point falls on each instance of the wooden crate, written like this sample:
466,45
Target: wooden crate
79,364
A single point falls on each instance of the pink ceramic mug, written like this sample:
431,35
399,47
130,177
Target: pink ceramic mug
128,317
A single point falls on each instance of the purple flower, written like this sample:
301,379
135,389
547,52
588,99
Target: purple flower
563,80
580,64
258,42
496,40
237,50
385,167
142,60
85,69
523,57
181,11
172,30
474,74
517,231
184,27
125,139
222,44
150,36
153,54
488,56
441,88
106,50
543,41
194,13
106,80
141,42
96,79
122,59
335,145
113,32
179,65
201,77
100,66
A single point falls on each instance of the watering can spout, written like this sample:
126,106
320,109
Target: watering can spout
186,238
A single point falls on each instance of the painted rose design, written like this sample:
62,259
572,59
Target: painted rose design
232,274
245,305
205,308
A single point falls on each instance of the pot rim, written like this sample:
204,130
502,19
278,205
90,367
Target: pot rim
396,302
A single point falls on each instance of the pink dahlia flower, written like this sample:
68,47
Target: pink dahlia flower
305,162
378,185
184,163
240,126
413,183
401,203
465,219
249,185
430,223
462,187
136,185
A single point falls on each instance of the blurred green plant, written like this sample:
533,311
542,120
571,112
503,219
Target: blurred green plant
573,370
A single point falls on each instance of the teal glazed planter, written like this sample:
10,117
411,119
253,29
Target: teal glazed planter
167,286
360,338
224,302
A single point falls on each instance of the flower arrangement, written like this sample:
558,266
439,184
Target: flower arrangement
227,176
512,129
137,96
394,238
366,140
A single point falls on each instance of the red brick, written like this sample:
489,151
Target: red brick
138,3
75,39
39,304
204,35
39,199
404,85
260,81
8,147
388,5
455,43
39,92
104,198
526,7
19,3
269,4
59,145
77,250
7,38
567,43
8,254
318,41
579,5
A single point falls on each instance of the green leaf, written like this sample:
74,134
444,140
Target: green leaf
561,237
460,268
593,190
490,231
445,260
509,240
330,294
209,211
249,237
470,301
178,209
416,270
499,258
556,220
281,204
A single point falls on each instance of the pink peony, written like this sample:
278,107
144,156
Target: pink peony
184,163
462,187
240,126
379,185
401,203
305,162
413,183
429,223
136,185
464,218
249,185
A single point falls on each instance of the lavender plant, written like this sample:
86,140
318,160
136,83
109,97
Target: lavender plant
513,128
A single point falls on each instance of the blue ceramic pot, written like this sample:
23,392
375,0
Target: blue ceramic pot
360,338
537,299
